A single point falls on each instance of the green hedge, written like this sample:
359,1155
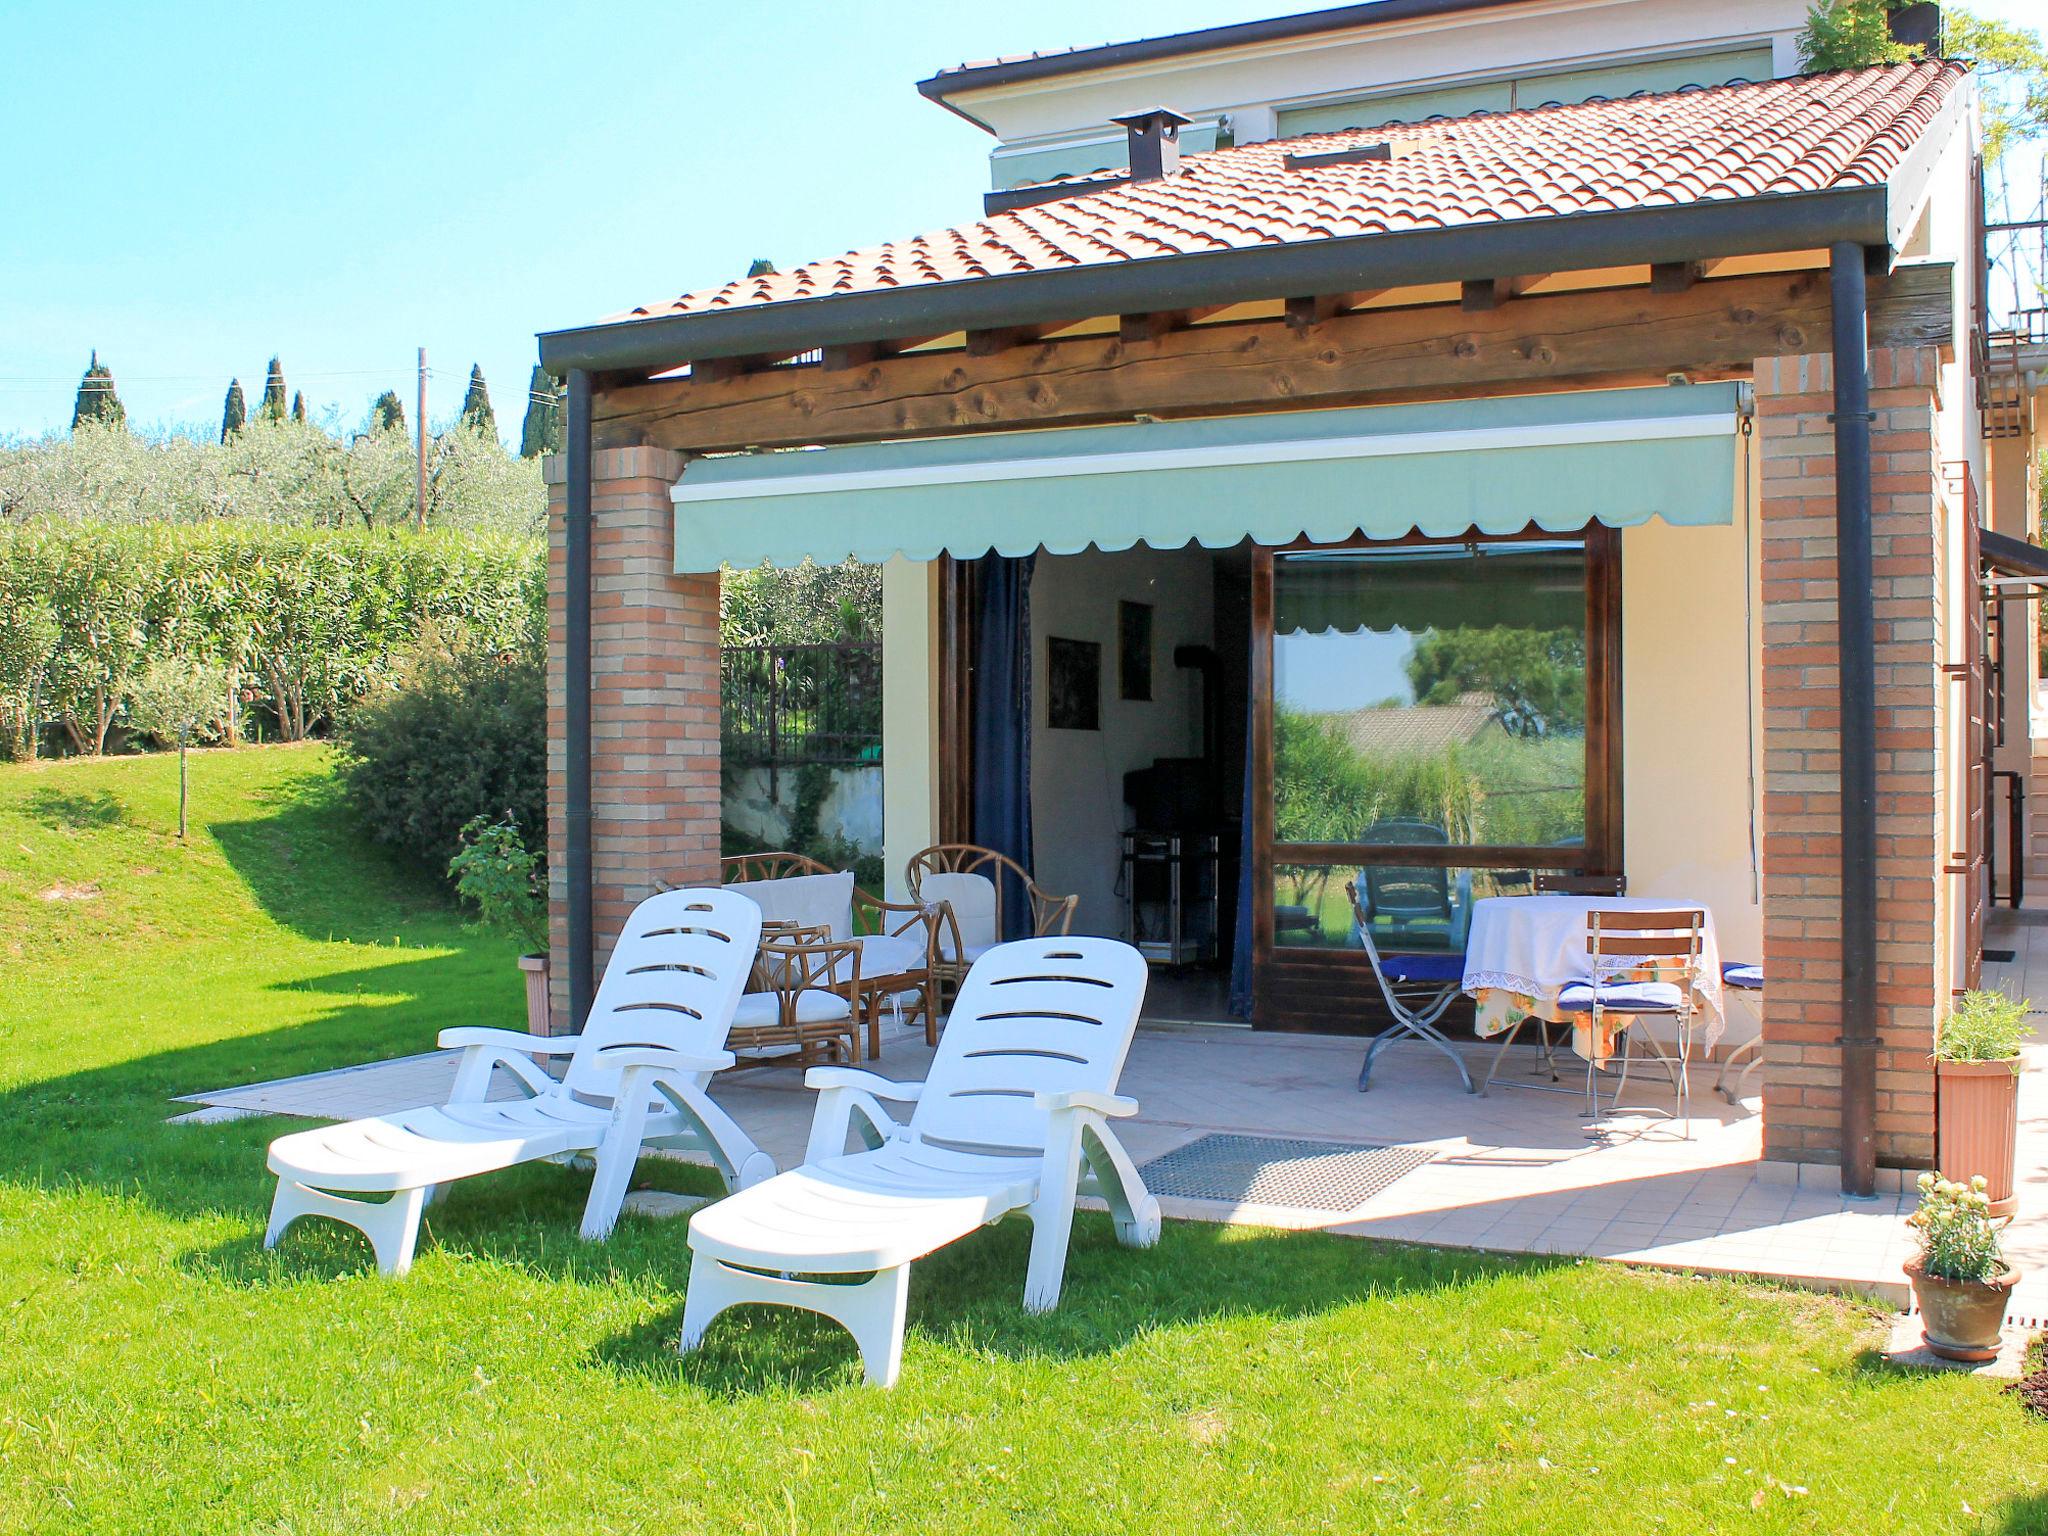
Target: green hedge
306,621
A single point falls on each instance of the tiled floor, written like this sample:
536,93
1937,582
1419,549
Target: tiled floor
1516,1170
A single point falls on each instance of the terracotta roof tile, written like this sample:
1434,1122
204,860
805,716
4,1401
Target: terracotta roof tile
1803,134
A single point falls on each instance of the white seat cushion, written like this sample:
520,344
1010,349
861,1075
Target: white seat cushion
759,1010
889,954
814,901
973,900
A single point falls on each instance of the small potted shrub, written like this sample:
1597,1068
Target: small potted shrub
1977,1065
498,874
1960,1279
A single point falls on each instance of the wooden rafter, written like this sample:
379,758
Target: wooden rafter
1714,329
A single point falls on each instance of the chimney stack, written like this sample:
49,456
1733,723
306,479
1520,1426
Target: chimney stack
1154,140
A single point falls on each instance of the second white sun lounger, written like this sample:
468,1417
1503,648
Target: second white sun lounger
1014,1116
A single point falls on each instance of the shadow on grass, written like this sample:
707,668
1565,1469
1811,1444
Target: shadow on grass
2026,1515
74,811
310,867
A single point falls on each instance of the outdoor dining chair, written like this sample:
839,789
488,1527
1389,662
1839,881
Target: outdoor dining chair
1645,965
1417,988
1747,979
1551,882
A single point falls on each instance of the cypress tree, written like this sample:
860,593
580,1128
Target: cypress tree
96,400
476,405
273,407
298,405
234,414
542,430
387,411
761,266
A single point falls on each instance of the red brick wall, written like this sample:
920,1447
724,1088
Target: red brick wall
1801,809
654,701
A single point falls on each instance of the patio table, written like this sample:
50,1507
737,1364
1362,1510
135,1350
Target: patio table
1522,951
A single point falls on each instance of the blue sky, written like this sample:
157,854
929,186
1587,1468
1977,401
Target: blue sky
193,187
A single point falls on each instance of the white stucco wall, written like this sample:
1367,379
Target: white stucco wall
1689,705
910,740
1077,777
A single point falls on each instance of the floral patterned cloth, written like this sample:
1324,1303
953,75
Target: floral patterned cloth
1523,951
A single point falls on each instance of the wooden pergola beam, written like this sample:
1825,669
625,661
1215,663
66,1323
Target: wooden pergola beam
1157,323
1714,329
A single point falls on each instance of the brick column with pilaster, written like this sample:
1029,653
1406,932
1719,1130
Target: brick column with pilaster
654,702
1802,848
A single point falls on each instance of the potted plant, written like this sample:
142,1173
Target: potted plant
1960,1279
497,873
1977,1065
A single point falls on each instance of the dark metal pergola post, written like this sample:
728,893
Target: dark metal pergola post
1856,640
576,701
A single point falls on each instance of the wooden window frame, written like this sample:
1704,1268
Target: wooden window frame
1602,851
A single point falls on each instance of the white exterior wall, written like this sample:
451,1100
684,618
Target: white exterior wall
1690,707
910,712
1247,83
1077,777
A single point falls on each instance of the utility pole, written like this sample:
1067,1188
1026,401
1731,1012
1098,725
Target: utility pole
420,440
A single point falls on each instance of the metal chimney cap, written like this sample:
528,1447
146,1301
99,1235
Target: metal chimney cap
1147,117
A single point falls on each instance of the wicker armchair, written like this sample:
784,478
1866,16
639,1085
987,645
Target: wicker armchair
965,884
899,941
804,1001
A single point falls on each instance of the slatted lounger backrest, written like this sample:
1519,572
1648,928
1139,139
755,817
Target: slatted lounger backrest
1040,1015
672,980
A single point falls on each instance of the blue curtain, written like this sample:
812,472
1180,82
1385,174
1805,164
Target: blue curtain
1002,723
1241,942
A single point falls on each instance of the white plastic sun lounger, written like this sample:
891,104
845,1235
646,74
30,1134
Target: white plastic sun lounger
636,1078
1018,1100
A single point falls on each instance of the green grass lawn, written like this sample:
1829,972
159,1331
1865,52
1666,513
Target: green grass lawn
159,1373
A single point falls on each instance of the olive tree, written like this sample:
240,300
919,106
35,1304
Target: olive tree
176,698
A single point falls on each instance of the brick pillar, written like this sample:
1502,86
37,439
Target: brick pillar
1801,721
654,702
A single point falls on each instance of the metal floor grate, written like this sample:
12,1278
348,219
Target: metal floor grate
1275,1170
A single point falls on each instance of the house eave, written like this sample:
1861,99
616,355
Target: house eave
1791,221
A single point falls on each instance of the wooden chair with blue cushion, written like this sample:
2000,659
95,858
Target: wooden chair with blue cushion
1418,987
1622,945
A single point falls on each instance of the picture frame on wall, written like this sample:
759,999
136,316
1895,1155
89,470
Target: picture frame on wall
1134,651
1073,684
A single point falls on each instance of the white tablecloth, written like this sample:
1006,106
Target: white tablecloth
1523,951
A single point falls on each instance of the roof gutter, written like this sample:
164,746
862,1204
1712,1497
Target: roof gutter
1075,61
1751,226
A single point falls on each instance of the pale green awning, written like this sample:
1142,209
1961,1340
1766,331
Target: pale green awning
1561,461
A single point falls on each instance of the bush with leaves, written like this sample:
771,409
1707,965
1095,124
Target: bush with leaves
462,735
495,872
306,621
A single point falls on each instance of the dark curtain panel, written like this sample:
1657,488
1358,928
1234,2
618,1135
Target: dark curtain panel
1002,723
1241,942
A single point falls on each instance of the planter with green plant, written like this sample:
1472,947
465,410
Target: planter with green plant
1977,1066
1961,1281
505,881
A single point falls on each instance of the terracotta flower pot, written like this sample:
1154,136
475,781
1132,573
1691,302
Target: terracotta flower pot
536,969
1960,1319
1976,1123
